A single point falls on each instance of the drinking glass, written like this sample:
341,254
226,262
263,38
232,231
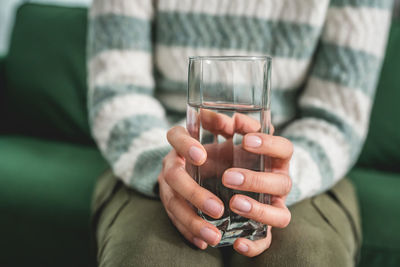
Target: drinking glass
228,97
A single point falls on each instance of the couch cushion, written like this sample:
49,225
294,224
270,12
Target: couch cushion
382,147
379,200
45,192
46,73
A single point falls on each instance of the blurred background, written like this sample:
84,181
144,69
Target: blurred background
49,162
8,9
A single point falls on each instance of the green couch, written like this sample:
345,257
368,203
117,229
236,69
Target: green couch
49,163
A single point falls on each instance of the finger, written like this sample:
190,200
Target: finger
272,129
183,216
226,126
186,146
275,215
245,124
259,182
253,248
166,193
198,242
217,123
273,146
196,225
180,181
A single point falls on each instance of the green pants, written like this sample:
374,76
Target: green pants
132,230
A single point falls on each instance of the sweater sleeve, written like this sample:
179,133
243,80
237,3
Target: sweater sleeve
336,102
128,123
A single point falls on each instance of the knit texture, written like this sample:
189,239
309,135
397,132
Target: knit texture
326,60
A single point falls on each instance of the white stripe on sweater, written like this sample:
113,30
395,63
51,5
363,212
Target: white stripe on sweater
310,12
329,137
119,108
361,28
131,8
121,67
172,62
304,173
349,104
151,139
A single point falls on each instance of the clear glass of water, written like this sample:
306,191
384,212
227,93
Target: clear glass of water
229,97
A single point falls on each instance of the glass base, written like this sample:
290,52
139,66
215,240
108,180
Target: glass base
230,231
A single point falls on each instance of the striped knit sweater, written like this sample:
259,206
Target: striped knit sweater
326,60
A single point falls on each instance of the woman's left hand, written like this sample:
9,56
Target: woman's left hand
277,183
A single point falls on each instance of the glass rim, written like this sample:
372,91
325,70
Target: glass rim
232,58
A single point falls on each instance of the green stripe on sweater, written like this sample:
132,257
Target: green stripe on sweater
116,32
347,67
382,4
276,38
125,131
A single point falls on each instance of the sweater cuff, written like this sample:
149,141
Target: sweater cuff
146,171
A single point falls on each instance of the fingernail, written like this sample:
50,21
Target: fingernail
241,204
233,178
199,243
243,247
253,141
208,235
196,154
212,207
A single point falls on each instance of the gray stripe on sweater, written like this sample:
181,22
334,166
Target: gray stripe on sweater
352,68
125,131
382,4
276,38
107,32
147,169
352,138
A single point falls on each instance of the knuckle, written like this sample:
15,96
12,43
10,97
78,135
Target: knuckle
287,185
255,181
289,144
261,214
171,175
177,163
192,224
194,196
172,132
284,222
164,162
169,203
159,178
268,141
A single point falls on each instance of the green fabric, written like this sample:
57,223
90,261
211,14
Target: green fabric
46,73
132,230
379,199
382,147
45,191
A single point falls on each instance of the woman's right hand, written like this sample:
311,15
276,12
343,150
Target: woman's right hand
178,189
